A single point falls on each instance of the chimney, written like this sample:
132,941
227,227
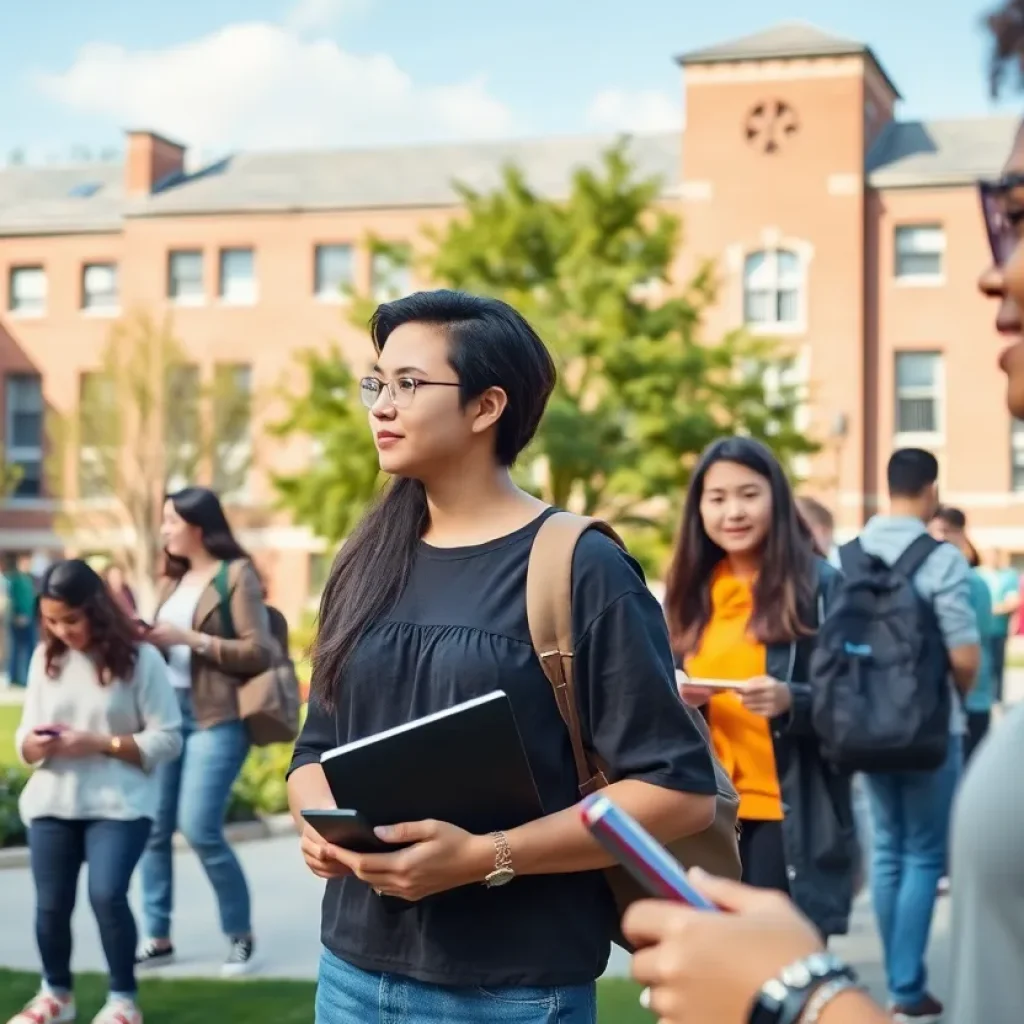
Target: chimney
151,159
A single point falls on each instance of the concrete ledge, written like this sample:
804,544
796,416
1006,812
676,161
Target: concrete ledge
237,832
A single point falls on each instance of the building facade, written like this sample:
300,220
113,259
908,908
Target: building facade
852,237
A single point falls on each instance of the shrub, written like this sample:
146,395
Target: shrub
261,786
12,782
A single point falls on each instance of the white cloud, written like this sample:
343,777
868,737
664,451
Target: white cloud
643,110
317,15
260,85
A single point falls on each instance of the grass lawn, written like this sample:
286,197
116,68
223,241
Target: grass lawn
276,1002
10,716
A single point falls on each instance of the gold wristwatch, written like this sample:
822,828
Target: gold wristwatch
503,872
114,746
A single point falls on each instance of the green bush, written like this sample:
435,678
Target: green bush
12,782
260,788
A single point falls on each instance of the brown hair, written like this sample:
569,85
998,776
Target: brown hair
1006,23
114,638
784,592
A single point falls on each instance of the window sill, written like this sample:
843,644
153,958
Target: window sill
332,298
237,303
26,314
929,441
187,302
777,330
920,281
101,312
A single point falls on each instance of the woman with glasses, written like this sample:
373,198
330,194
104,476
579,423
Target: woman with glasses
425,608
716,967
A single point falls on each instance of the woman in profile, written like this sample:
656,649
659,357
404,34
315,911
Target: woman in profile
99,717
213,628
745,594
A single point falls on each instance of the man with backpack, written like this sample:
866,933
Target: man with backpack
899,647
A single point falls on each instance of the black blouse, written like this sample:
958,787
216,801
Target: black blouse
458,631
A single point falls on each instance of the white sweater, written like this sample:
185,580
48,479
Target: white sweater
99,786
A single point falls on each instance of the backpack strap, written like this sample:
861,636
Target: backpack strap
853,557
223,588
915,555
549,616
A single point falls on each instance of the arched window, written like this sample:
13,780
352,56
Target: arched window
772,284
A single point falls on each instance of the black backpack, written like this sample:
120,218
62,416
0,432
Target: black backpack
881,695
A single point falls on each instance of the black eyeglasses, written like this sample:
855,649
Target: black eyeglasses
1001,229
401,390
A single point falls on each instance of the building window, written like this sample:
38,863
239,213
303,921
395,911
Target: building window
333,271
319,569
772,286
100,287
97,446
1017,455
918,393
237,277
920,251
185,277
232,429
27,293
182,426
391,273
23,433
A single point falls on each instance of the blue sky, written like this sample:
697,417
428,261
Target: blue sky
221,74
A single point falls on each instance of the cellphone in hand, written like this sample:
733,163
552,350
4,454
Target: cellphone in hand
639,852
54,733
348,829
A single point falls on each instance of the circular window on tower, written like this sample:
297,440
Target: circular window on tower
770,124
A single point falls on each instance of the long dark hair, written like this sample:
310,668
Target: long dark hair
784,591
489,345
199,506
114,638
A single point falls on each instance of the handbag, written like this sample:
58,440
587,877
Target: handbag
549,614
268,703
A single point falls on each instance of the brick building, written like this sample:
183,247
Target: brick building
853,237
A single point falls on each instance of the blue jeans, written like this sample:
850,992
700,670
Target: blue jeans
58,848
21,642
347,995
911,812
194,794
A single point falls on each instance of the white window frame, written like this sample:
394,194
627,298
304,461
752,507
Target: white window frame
774,283
793,370
937,392
1016,455
190,299
112,304
322,290
937,248
27,311
380,290
242,291
240,452
21,455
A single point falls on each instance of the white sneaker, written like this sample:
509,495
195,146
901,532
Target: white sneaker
239,959
46,1008
118,1011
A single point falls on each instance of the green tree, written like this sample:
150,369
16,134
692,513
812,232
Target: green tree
145,424
641,390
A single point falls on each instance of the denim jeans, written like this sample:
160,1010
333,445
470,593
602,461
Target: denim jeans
911,818
997,647
21,642
348,995
58,848
194,794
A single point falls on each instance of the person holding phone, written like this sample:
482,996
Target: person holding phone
99,716
744,596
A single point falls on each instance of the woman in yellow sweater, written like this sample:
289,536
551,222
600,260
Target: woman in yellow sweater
744,597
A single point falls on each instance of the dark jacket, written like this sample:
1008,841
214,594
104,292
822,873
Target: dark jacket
818,829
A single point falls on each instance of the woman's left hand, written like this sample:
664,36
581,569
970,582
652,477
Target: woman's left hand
442,857
71,743
164,635
766,696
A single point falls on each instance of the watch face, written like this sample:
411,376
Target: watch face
500,877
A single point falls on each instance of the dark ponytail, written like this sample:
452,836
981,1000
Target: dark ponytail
489,345
1006,25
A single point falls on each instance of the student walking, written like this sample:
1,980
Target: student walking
744,597
425,607
99,716
213,645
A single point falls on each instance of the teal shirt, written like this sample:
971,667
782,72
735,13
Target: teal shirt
982,693
22,595
1002,583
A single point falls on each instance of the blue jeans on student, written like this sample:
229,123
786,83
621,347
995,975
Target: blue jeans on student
348,995
21,642
58,848
911,818
194,795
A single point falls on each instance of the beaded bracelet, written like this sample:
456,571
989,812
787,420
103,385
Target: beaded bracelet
824,995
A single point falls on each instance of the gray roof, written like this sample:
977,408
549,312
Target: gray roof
412,176
913,154
790,39
42,200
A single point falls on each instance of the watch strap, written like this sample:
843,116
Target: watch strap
783,998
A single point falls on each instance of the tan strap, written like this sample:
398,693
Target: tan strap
549,615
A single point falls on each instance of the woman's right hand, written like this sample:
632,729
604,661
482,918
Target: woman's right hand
320,856
37,746
695,696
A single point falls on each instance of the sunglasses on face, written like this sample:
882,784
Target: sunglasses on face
1002,236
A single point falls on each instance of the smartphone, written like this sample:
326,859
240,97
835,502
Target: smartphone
350,830
713,684
639,852
47,732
